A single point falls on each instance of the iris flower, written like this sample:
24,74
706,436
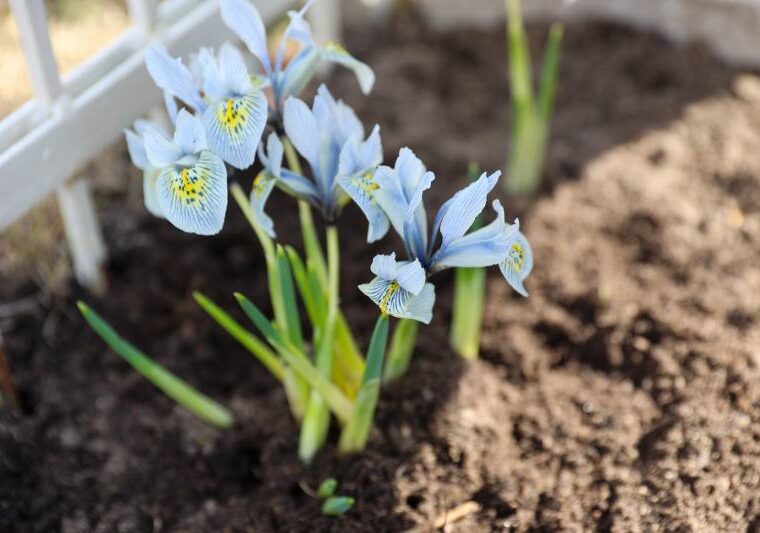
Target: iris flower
399,289
331,139
220,91
185,182
400,195
288,80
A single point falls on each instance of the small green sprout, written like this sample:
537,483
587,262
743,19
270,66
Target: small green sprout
531,114
332,504
327,488
337,505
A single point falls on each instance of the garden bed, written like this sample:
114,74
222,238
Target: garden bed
622,395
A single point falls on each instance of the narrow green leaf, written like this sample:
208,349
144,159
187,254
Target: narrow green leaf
520,77
356,431
197,403
292,317
249,341
402,347
327,488
337,505
335,399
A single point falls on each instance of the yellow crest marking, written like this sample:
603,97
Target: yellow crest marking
390,291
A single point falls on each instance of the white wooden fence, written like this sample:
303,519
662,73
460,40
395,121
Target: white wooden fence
46,142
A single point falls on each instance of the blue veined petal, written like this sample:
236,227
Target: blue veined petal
298,30
390,197
150,194
189,136
415,220
481,248
171,106
172,76
396,301
420,307
344,123
262,188
385,266
302,130
161,151
464,207
205,62
360,187
411,276
518,264
194,199
299,71
243,19
136,149
335,53
410,171
272,159
234,127
232,70
299,186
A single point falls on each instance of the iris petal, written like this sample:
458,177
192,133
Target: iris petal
360,187
194,199
172,76
150,195
394,300
234,127
384,266
335,53
262,188
243,19
464,207
518,264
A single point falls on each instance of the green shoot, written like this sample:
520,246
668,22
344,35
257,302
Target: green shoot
469,296
197,403
530,115
401,350
356,432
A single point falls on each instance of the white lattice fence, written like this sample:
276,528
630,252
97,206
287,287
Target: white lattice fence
45,143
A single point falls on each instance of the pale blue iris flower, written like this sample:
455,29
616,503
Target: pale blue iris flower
330,138
220,90
399,289
288,80
136,148
399,194
190,184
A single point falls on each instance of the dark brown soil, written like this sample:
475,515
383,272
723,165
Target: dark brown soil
622,396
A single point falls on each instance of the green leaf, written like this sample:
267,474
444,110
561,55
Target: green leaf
356,431
197,403
549,72
292,317
337,505
327,488
401,350
335,399
249,341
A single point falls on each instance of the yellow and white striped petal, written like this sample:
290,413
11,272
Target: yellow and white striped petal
234,127
518,264
194,199
394,300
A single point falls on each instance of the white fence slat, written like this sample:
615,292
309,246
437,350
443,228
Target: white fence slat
35,42
83,233
144,13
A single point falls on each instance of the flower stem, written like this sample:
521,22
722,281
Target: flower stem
467,311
